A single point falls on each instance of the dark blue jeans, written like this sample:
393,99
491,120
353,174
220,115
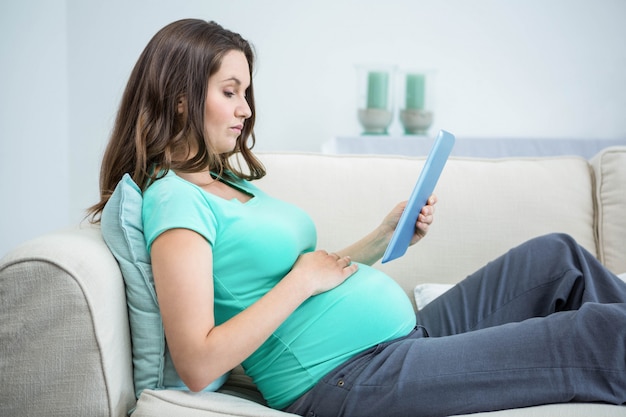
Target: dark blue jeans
544,323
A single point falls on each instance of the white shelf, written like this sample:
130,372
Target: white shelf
468,147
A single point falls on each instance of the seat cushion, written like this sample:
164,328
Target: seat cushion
202,404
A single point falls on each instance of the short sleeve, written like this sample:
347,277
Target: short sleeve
172,203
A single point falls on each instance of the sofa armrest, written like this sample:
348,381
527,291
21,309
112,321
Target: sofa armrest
64,339
610,191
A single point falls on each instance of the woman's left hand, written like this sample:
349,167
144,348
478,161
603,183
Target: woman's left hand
424,220
370,249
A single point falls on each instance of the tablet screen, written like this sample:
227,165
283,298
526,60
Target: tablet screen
423,189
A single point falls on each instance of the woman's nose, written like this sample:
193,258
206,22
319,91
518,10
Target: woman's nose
243,110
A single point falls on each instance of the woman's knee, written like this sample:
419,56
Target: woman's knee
554,243
560,238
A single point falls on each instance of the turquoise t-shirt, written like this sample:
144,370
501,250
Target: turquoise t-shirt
255,244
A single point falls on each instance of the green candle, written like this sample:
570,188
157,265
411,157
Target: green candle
415,85
377,84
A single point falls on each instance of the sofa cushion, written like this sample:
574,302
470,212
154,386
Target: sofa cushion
202,404
425,293
122,229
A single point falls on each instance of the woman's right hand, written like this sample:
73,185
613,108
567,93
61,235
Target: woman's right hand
323,271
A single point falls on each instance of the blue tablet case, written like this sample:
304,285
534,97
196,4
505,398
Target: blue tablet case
423,189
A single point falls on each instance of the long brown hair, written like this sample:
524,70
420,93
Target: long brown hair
176,63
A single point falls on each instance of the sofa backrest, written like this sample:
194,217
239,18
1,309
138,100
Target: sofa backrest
485,207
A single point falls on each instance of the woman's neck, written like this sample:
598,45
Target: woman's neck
216,187
201,179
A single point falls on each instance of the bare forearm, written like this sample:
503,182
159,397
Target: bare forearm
227,345
369,249
372,247
249,329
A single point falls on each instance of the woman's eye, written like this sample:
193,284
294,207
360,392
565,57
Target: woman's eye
229,93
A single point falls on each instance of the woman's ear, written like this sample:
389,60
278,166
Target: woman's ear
182,105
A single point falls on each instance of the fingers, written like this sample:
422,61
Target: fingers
425,219
426,216
323,270
342,261
350,267
335,269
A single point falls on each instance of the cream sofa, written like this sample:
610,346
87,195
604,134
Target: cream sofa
64,338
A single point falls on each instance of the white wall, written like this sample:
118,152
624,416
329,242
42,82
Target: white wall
520,68
34,156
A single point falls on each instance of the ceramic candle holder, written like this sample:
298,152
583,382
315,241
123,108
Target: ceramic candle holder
415,101
375,121
375,98
416,122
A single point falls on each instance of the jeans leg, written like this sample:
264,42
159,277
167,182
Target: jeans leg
544,275
570,356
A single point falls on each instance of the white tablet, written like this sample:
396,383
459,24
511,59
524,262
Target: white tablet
423,189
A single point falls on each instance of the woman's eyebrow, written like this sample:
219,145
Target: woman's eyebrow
234,79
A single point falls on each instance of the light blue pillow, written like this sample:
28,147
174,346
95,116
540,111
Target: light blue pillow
122,229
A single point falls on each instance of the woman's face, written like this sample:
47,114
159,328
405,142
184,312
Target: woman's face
226,108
